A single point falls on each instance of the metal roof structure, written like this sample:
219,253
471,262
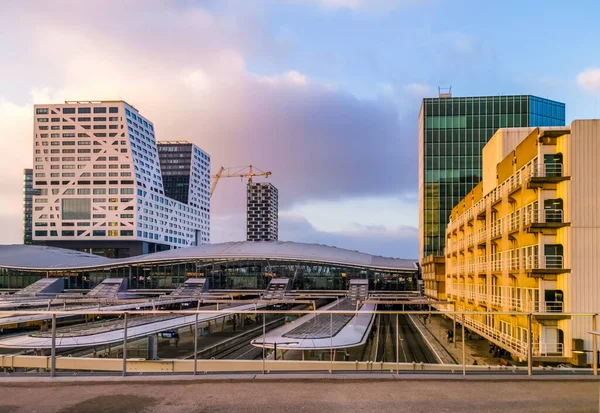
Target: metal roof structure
350,331
41,258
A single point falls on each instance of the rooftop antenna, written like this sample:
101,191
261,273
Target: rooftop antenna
444,92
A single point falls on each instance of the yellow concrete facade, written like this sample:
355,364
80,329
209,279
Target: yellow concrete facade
527,239
434,276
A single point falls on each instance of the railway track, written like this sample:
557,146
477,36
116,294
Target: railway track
413,349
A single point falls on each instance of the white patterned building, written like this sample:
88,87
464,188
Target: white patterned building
97,168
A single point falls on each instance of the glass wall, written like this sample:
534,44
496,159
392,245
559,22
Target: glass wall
224,274
455,132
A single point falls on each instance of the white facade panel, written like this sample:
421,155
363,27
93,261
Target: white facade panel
97,168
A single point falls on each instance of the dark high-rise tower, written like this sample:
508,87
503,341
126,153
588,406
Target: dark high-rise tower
452,133
28,193
262,212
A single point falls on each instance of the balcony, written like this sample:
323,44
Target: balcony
481,265
546,174
514,221
496,229
548,349
496,265
549,219
544,265
553,306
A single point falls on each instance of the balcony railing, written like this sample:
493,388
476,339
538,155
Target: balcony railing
553,261
514,221
553,306
547,349
549,215
547,170
515,263
496,229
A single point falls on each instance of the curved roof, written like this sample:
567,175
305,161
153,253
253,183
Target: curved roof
33,257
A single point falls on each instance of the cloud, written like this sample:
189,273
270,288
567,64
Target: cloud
361,5
589,80
184,67
399,242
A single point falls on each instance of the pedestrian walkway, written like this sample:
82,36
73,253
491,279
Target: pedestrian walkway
477,348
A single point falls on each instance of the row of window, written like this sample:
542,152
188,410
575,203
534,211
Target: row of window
98,109
95,233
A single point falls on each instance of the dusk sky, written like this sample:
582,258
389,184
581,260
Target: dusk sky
323,93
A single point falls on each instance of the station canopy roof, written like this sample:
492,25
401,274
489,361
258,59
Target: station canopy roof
35,257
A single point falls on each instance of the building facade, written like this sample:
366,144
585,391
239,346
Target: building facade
452,134
28,192
527,239
97,170
186,177
434,276
262,214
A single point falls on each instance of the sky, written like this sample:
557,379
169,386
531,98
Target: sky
325,94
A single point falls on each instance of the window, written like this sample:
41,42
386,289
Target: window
99,126
113,109
99,110
84,110
43,128
68,233
113,233
42,120
83,191
99,200
113,191
55,120
84,119
68,135
68,127
98,233
68,110
126,191
41,111
126,215
113,126
113,119
41,233
76,208
126,233
55,127
100,119
99,191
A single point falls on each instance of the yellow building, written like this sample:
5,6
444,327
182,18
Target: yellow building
527,239
434,276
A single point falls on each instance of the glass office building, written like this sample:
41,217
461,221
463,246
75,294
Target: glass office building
452,134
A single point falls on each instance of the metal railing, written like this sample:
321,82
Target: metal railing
548,349
519,347
545,170
553,306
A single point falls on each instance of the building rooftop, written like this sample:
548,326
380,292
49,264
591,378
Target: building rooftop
33,257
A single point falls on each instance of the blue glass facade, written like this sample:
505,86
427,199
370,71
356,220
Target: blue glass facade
544,112
453,134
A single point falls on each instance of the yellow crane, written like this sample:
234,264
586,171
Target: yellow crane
237,172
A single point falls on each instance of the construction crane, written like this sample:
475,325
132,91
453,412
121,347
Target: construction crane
237,172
